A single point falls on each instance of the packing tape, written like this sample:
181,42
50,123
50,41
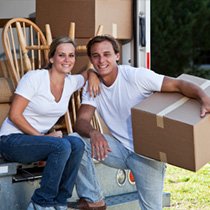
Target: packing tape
159,116
163,157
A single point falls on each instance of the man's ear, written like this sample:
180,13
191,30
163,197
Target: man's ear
117,57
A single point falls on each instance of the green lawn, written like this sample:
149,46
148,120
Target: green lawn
189,190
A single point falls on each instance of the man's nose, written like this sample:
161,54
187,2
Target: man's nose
101,59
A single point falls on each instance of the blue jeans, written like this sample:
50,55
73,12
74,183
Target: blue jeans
148,174
62,156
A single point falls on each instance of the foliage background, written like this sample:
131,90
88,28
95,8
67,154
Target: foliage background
180,35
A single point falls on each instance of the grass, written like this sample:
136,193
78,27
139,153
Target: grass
189,190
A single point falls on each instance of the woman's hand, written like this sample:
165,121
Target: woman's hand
93,83
58,134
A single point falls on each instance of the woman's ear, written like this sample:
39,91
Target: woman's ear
51,60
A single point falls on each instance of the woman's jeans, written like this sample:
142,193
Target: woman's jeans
148,174
62,156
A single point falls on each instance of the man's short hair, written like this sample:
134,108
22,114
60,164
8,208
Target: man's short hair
101,38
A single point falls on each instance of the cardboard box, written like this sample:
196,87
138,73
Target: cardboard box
7,90
4,112
115,16
168,127
6,94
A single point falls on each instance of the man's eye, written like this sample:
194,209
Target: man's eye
95,56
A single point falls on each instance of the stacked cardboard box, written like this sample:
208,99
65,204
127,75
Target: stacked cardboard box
115,16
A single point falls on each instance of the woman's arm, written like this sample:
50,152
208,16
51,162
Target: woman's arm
17,108
93,81
16,116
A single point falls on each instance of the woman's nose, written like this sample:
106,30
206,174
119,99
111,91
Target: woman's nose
66,58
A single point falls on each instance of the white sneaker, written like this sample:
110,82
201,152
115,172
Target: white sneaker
61,208
34,206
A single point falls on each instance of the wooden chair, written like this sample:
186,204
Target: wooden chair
26,48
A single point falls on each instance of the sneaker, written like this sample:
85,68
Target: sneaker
61,208
34,206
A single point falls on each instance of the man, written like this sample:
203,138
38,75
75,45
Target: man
122,87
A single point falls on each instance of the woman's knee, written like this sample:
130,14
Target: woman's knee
63,146
77,143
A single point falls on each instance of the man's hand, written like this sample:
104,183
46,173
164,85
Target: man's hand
99,145
205,108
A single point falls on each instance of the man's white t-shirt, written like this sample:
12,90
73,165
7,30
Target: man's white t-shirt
114,103
43,111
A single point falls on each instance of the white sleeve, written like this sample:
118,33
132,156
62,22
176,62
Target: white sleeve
148,81
80,81
75,81
27,85
86,99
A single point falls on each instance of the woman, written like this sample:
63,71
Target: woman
41,98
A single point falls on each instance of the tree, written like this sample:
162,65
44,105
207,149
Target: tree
175,34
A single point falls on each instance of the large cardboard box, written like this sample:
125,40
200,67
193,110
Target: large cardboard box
168,127
4,112
7,90
6,95
115,16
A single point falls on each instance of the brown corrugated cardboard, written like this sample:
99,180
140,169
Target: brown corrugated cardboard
7,90
168,127
4,112
115,16
6,94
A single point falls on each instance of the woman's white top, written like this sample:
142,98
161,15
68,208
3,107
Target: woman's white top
42,111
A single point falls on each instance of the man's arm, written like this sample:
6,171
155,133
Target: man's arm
99,145
188,89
